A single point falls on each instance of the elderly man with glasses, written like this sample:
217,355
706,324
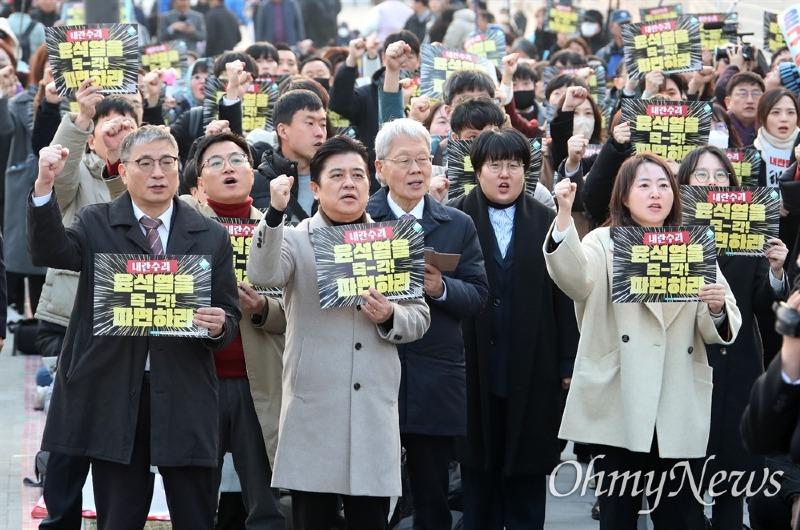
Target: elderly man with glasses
131,402
433,386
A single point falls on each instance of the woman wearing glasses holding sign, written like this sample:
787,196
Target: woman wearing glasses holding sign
641,388
756,283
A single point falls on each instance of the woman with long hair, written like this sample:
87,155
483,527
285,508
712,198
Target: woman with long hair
756,283
641,387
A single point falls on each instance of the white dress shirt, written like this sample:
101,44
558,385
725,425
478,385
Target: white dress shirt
416,211
503,224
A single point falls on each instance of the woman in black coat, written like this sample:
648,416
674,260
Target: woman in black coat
519,349
756,283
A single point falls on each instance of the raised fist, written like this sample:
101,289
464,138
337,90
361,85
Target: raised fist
280,191
51,163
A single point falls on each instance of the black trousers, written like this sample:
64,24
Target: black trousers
65,474
427,462
63,491
768,513
123,492
493,500
15,283
240,434
619,509
318,511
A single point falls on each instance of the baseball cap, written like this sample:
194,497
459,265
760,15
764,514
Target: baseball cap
620,16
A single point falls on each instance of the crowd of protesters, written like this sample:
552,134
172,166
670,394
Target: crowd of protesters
456,405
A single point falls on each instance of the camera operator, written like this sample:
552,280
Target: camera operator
770,424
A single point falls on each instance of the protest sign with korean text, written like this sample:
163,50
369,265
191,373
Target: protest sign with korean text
671,46
388,256
257,103
671,129
563,18
773,38
241,233
145,295
664,264
746,163
107,52
654,14
723,33
165,56
462,176
437,64
491,45
743,218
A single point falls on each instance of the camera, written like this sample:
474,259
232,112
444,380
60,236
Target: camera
721,53
787,319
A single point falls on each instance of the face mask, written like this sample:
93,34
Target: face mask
326,83
583,125
524,98
590,29
718,139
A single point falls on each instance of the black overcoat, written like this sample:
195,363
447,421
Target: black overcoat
99,379
433,386
543,346
736,367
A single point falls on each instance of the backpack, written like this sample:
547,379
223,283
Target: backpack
25,40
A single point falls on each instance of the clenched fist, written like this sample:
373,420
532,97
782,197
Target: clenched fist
280,191
565,196
51,163
114,131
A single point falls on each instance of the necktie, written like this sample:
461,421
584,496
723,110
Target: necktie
153,239
407,217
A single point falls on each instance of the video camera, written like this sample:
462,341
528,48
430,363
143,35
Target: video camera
731,27
787,319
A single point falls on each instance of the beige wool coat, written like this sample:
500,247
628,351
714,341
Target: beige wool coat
339,427
263,353
641,369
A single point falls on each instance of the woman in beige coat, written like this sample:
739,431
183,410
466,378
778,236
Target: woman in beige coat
641,389
339,430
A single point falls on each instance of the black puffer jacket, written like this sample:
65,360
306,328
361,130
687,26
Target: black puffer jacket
360,106
274,164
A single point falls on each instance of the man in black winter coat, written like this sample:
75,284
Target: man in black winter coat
360,105
301,127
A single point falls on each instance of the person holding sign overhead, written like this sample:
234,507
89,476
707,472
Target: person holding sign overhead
641,390
433,384
129,402
339,431
756,282
519,349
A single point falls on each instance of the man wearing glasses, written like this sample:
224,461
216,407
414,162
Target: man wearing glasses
742,95
433,385
249,368
131,402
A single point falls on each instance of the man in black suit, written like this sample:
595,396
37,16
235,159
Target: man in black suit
433,384
131,402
